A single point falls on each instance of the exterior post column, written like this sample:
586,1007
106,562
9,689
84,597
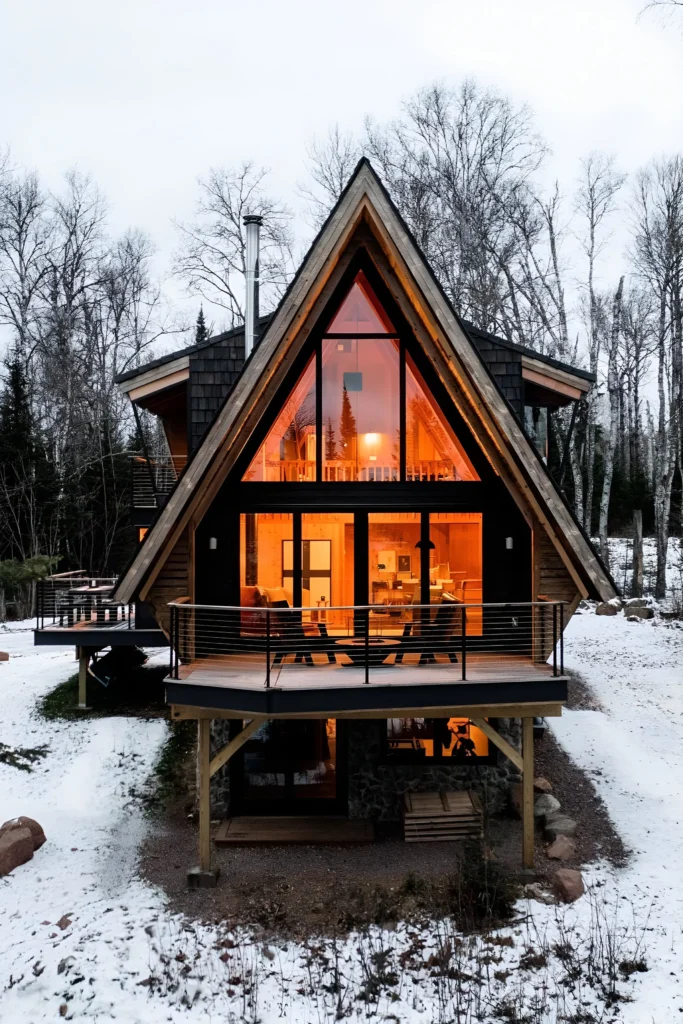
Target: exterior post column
528,792
82,678
204,754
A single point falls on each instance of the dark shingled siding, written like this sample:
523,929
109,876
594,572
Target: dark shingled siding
213,371
506,366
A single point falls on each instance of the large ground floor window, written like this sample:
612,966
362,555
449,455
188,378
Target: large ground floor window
423,740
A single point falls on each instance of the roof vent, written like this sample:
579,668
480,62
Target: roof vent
252,223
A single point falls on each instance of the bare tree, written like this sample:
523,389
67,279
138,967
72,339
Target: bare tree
595,201
211,257
613,390
331,163
658,256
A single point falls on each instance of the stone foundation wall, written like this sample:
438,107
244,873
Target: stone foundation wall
220,783
376,789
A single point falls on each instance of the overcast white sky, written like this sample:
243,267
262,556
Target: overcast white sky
146,95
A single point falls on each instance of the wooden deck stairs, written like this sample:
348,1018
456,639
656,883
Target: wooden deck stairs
441,817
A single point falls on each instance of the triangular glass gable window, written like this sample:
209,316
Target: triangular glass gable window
433,452
360,312
288,452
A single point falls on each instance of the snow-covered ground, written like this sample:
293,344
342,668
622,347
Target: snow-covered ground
121,955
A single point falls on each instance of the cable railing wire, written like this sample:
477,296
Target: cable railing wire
453,636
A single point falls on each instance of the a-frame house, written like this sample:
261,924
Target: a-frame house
365,569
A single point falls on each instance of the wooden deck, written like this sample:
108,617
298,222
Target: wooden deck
239,672
276,831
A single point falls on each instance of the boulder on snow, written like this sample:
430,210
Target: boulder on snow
16,847
545,805
542,785
559,825
636,602
31,824
569,884
612,607
4,656
639,612
563,848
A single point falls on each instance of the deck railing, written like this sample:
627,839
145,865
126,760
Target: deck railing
76,599
153,479
454,636
349,471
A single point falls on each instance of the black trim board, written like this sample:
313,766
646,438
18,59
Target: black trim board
373,697
99,638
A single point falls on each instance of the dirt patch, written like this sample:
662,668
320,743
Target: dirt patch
297,891
580,697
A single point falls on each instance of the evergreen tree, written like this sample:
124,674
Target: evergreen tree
201,332
347,427
330,442
28,484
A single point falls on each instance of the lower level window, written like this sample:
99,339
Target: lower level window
448,740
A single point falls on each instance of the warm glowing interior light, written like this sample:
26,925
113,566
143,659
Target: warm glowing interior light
372,439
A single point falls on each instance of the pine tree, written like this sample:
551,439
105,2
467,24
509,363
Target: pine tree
347,427
201,332
28,485
330,442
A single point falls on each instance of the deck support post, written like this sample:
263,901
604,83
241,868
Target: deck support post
528,791
203,876
83,656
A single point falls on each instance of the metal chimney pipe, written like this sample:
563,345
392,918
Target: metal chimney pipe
252,223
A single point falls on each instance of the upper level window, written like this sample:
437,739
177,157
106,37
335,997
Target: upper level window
360,312
288,452
361,432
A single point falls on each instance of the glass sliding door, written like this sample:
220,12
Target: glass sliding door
455,562
327,566
263,540
290,766
394,566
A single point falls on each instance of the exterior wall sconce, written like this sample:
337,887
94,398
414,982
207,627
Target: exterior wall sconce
213,543
509,544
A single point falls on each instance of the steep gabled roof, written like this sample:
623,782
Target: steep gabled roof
365,200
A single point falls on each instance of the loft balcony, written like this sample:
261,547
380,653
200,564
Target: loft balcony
78,609
366,659
153,479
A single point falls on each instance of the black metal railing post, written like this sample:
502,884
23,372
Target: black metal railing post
464,643
554,639
367,645
267,647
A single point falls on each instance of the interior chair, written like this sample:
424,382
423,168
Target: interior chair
439,634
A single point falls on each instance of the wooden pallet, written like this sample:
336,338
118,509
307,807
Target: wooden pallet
441,817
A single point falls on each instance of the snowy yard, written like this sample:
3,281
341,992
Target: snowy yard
118,953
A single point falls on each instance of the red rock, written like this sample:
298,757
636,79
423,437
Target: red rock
4,656
16,847
64,922
569,884
542,785
562,849
34,828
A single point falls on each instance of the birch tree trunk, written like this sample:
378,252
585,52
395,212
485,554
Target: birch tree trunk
614,406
